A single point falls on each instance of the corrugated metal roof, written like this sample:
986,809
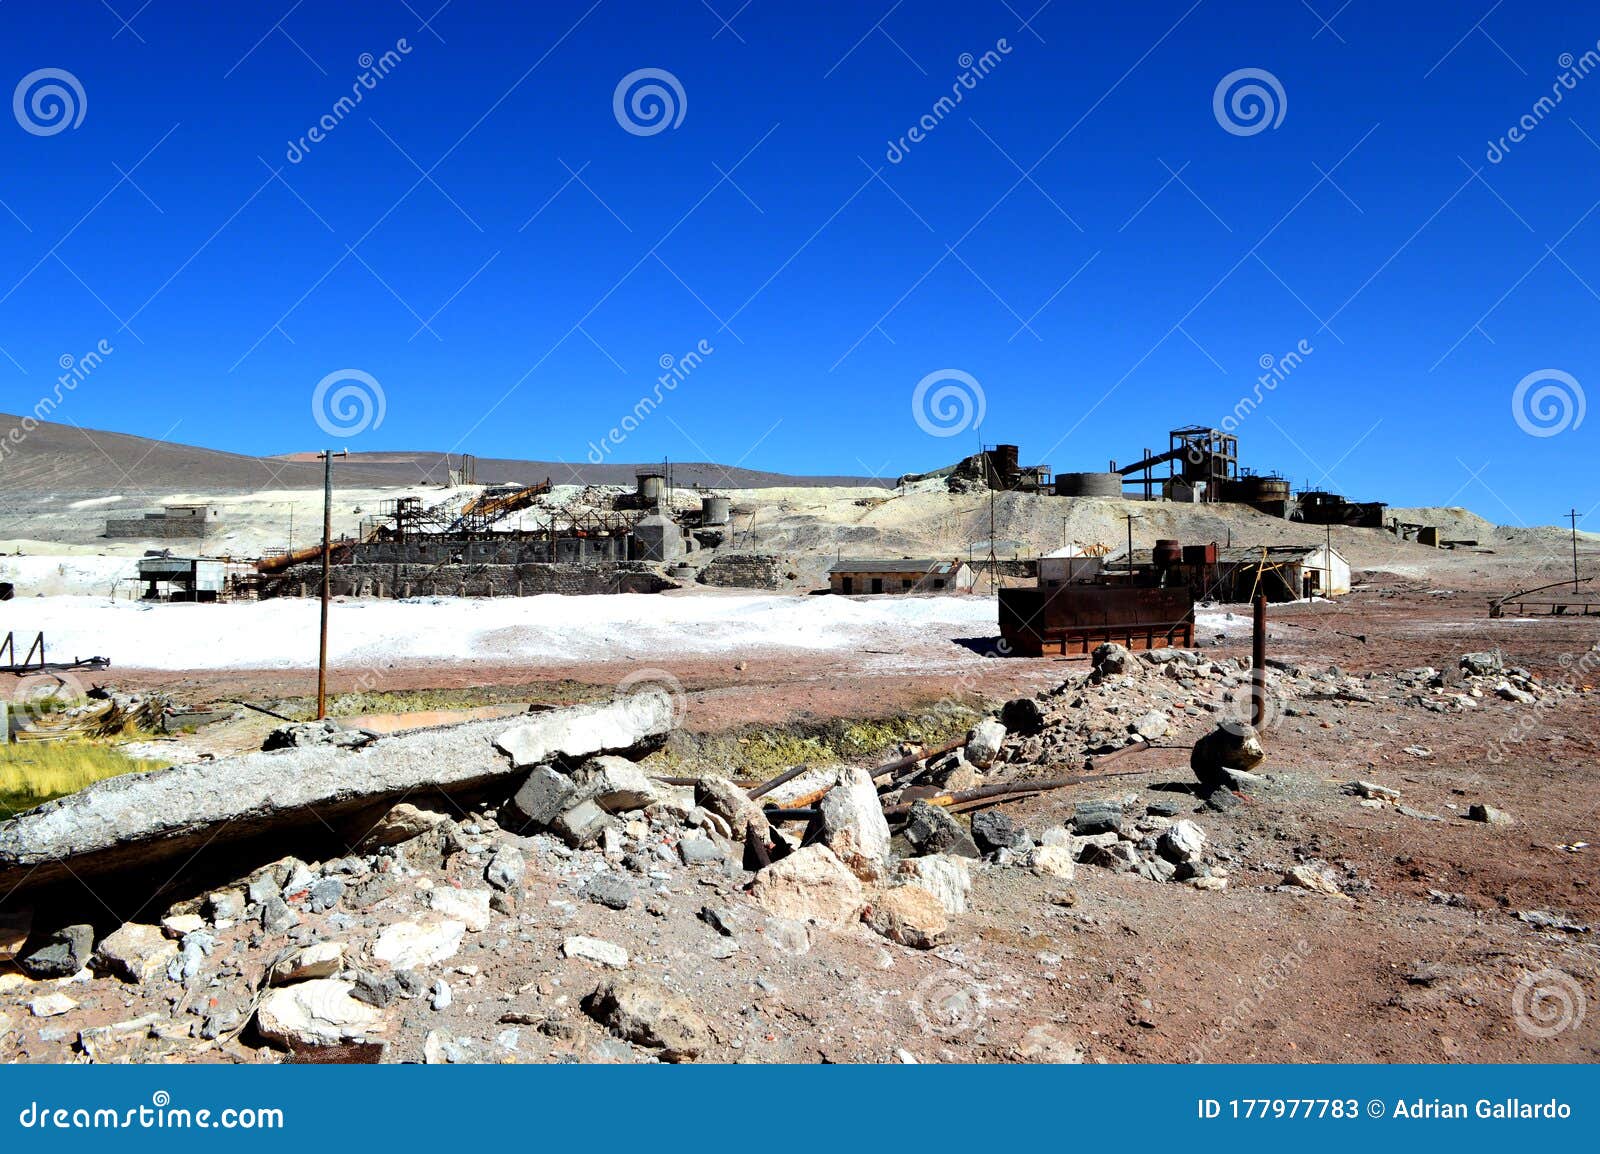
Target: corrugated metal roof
1245,554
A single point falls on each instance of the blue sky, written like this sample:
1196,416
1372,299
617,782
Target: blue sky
1082,234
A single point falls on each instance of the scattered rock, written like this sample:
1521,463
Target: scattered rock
909,915
930,830
414,945
1053,861
853,825
984,742
1307,877
400,824
1022,715
304,734
698,849
1090,818
810,884
1373,791
325,894
649,1016
322,960
1224,749
614,784
51,1005
136,953
1182,841
594,950
177,926
541,799
993,830
1110,659
60,954
1489,814
722,797
506,869
582,824
469,907
1486,663
607,889
1042,1044
315,1013
1152,726
947,878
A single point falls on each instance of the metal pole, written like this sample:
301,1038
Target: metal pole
1258,664
327,550
1573,517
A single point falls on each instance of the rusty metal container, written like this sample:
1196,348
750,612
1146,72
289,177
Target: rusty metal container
1167,553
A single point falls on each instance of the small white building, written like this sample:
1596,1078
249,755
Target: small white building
1283,572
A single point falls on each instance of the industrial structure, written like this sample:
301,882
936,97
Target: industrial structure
174,521
906,575
505,542
168,578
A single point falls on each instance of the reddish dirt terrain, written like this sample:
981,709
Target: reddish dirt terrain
1424,959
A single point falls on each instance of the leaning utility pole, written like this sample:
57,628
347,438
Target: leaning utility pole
327,456
1573,517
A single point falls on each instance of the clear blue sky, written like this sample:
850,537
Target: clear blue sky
1129,283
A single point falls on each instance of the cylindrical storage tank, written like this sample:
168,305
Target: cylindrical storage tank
1167,553
714,510
652,487
1089,484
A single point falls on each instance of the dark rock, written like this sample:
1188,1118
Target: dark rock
1489,814
1161,808
993,830
648,1015
1229,747
1092,817
1022,715
59,954
608,890
412,984
369,892
324,895
540,800
380,990
304,734
931,830
718,919
277,917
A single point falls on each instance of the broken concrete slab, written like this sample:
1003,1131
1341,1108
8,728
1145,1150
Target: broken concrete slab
135,819
320,1012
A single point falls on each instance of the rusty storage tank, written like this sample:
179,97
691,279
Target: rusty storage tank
715,510
652,489
1167,554
1200,554
1256,490
1089,484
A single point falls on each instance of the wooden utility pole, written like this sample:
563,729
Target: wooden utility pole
327,456
1573,517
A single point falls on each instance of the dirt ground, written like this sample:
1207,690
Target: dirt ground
1421,963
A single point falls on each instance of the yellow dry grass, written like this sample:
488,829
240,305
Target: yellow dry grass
33,773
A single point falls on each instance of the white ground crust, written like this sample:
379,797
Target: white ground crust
550,629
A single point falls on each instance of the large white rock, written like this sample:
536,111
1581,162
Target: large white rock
322,960
607,954
136,953
413,945
909,915
946,877
984,742
469,907
810,884
316,1013
1053,861
615,784
853,825
1183,841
